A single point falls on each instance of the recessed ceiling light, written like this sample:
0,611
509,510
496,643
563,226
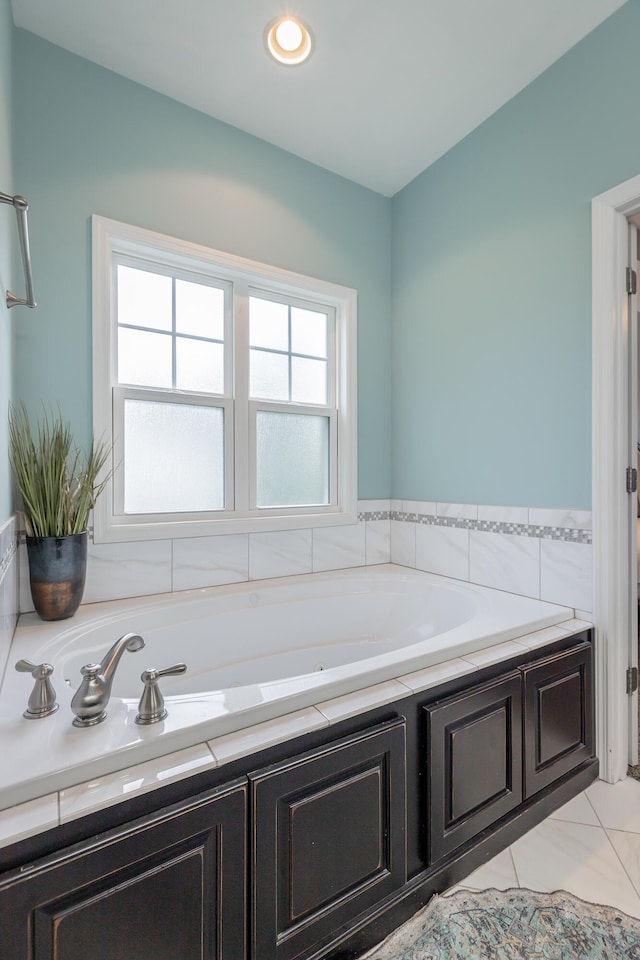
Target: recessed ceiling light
288,41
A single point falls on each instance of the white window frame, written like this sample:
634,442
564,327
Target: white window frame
113,241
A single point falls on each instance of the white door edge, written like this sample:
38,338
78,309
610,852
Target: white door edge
610,503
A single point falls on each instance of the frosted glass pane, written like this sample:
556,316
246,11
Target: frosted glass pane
269,375
268,324
292,459
173,457
199,310
144,358
308,380
199,365
308,332
144,299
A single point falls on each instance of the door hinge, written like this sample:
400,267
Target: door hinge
632,479
632,679
631,280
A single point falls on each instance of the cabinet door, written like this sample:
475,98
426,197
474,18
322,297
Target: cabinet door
152,890
558,727
329,839
474,762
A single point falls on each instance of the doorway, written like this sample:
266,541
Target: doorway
614,454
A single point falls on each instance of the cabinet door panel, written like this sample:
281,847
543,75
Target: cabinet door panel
150,890
329,839
558,729
474,763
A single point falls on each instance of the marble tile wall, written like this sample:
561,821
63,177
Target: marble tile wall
535,552
546,554
119,570
8,588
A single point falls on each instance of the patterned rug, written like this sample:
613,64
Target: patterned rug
513,925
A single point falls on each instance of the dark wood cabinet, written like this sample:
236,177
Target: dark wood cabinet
317,847
169,886
329,839
558,724
474,761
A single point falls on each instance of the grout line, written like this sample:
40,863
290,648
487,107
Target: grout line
513,862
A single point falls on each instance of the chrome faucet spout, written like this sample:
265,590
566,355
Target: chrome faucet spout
90,700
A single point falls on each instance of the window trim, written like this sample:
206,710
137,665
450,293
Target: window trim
109,238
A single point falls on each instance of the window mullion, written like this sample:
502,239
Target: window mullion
242,455
174,358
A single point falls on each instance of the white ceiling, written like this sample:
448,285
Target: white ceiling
391,86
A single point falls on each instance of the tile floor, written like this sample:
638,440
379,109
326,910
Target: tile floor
590,847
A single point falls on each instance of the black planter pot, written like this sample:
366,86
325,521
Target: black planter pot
57,571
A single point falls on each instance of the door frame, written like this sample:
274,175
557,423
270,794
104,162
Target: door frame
610,452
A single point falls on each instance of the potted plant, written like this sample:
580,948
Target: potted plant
58,485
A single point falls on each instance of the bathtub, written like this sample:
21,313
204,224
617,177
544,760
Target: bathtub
254,652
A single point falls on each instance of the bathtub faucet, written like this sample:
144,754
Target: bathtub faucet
92,696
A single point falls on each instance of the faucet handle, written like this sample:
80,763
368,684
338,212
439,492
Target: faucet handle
42,702
151,708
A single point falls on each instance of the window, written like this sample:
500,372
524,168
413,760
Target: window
225,387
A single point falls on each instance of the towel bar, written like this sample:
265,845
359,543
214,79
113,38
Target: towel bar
21,205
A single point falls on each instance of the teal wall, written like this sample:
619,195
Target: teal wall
476,276
88,141
492,286
8,235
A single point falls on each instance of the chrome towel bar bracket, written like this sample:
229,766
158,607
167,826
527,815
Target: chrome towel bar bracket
21,205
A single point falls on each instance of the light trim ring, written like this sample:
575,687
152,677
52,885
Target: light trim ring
289,41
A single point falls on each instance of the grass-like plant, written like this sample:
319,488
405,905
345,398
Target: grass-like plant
57,482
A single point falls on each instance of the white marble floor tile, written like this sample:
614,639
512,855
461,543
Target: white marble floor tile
498,872
617,805
627,846
578,810
577,857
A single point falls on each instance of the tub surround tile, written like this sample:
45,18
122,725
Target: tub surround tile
336,548
113,788
233,746
403,543
519,515
415,510
565,573
495,653
279,554
27,819
120,570
569,519
547,635
374,509
210,561
576,624
505,562
457,511
9,601
443,550
341,708
421,680
377,541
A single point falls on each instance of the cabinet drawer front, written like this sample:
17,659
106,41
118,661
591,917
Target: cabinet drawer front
329,839
558,729
152,888
474,762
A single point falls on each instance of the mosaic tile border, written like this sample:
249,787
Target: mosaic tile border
568,534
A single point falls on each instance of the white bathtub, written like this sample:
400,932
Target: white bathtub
364,623
254,652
